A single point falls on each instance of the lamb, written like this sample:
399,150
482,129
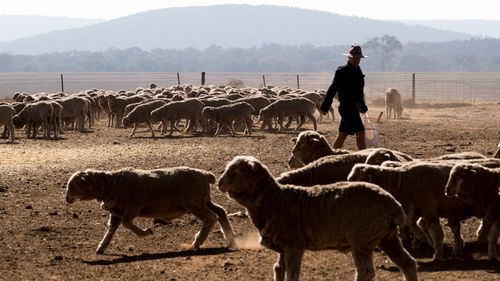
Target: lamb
479,186
6,115
292,107
310,146
227,114
189,108
324,217
393,103
420,189
142,113
325,170
162,193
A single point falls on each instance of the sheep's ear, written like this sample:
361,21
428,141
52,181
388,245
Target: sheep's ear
294,140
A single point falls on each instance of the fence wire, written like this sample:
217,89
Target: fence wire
428,86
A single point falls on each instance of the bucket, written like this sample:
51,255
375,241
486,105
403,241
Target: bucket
372,134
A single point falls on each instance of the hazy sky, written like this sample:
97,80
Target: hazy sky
375,9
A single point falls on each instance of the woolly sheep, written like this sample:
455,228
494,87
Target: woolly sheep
310,146
190,109
33,115
75,107
227,114
142,114
393,103
380,155
257,102
117,106
461,156
325,170
479,186
324,217
162,193
293,107
420,189
6,115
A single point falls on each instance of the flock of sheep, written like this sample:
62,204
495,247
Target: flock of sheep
212,109
402,198
314,206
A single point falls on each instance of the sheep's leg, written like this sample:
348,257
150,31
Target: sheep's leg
113,224
10,128
249,125
148,123
424,227
301,122
483,230
226,227
333,114
280,268
315,125
218,129
289,122
172,125
208,219
363,260
492,240
231,128
392,247
127,223
437,235
133,130
293,260
458,241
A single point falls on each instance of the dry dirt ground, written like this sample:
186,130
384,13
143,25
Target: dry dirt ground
43,238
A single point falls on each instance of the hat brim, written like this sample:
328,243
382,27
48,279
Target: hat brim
357,56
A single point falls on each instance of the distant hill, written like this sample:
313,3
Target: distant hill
241,26
486,28
14,27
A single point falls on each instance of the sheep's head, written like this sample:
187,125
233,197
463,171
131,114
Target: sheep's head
360,172
80,186
461,181
18,121
310,146
242,178
380,155
126,121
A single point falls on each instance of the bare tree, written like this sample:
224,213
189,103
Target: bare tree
387,45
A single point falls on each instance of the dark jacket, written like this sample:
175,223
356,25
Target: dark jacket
349,81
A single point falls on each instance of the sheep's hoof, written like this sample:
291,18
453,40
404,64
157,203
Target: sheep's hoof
149,231
100,251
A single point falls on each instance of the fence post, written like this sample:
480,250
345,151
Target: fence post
178,79
62,83
203,78
264,80
298,82
413,87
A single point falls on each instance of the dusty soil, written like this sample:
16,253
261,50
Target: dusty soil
43,238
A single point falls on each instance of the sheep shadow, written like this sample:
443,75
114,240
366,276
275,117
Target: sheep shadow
157,256
490,266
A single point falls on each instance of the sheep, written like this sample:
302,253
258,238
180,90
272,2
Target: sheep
393,103
117,106
162,193
461,156
380,155
294,107
420,189
75,107
497,153
142,113
325,170
33,115
479,186
258,102
56,117
310,146
227,114
324,217
189,108
6,114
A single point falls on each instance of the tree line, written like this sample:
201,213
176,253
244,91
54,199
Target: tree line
384,53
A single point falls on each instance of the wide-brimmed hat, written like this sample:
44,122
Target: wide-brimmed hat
355,52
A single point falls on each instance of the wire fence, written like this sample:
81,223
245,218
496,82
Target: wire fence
459,87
